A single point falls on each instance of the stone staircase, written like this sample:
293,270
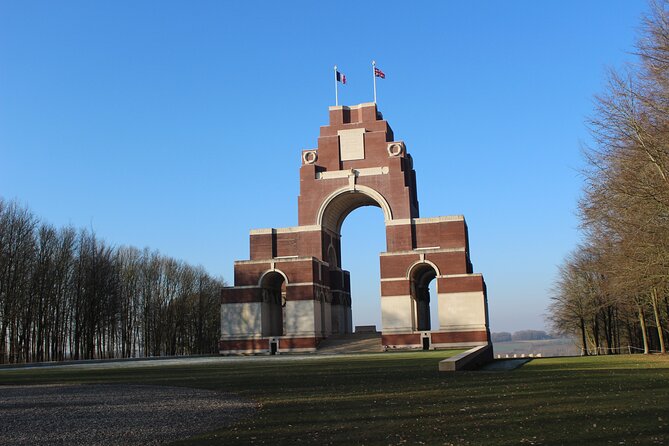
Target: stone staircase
351,343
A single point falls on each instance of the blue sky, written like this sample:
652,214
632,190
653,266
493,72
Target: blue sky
179,125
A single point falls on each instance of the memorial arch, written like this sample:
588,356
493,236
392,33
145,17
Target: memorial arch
342,202
292,293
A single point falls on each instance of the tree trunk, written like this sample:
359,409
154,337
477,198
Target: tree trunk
595,333
658,323
642,322
584,342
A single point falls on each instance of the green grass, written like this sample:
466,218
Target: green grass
401,398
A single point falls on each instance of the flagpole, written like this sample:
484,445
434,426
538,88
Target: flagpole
336,87
374,78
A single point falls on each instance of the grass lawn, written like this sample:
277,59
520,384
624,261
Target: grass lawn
401,398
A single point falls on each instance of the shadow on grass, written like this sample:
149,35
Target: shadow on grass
402,398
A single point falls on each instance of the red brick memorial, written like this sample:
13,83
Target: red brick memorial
293,292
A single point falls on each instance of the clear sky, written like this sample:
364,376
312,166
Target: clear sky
179,125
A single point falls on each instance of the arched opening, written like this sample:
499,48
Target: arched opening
342,202
363,237
273,285
422,275
355,298
338,316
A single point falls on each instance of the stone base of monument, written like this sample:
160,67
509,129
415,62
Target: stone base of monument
360,342
469,360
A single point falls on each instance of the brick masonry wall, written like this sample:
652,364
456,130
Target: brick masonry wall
330,188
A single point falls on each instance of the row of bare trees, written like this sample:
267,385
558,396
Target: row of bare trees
65,294
613,291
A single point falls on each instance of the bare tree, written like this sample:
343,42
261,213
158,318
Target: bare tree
68,294
625,206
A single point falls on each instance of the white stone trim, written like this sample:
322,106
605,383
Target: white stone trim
310,156
241,319
448,276
462,311
373,194
399,221
422,261
427,220
329,175
351,107
272,270
241,337
396,148
352,144
393,279
293,229
397,314
371,171
396,331
461,328
295,259
364,172
262,231
290,229
424,251
301,323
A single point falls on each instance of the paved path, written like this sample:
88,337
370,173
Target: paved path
160,362
112,414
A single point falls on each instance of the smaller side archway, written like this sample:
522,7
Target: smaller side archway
273,287
421,275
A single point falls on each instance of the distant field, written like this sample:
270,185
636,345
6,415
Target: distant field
548,347
401,398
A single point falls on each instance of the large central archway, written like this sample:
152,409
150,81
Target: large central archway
362,240
340,203
349,291
332,214
357,163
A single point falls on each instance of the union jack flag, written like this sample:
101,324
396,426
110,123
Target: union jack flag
379,73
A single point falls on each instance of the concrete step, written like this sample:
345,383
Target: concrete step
351,343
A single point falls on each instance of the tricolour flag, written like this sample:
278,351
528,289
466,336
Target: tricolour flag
379,73
341,77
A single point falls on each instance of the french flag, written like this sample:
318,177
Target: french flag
341,77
